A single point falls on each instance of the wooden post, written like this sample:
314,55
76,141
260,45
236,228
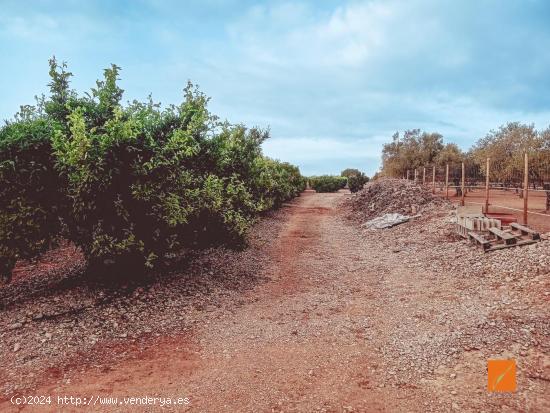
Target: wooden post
525,188
487,186
424,176
408,174
433,180
447,182
415,175
463,185
546,187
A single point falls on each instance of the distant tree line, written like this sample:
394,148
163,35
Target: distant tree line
353,178
505,147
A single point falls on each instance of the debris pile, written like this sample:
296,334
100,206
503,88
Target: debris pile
385,196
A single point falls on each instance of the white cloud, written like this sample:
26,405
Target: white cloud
333,82
318,149
327,155
32,27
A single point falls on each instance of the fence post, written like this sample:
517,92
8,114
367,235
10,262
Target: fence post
424,176
487,186
433,180
447,182
415,175
525,188
407,174
463,185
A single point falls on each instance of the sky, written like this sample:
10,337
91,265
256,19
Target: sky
333,80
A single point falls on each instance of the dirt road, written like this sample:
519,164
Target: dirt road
344,325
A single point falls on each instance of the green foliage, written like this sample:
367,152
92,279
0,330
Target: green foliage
414,149
506,148
31,198
449,154
356,179
275,182
130,185
327,183
350,172
356,182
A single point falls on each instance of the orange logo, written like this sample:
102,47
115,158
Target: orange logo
501,375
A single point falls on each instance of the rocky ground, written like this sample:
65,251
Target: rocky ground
464,306
54,316
318,315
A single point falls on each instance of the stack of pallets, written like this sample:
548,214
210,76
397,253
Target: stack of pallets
489,233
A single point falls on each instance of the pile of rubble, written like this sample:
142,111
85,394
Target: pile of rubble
385,196
479,306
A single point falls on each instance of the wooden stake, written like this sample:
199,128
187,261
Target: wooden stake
525,188
487,186
415,175
408,174
447,182
463,185
433,180
424,176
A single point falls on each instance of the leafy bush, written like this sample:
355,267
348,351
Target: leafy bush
356,179
350,172
356,183
31,199
275,182
129,185
327,183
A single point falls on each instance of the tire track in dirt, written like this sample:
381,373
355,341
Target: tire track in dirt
308,341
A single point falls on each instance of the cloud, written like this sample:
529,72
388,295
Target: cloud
331,79
34,27
326,155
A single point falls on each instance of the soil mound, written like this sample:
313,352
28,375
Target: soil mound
388,195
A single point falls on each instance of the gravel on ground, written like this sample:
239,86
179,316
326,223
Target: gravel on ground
319,314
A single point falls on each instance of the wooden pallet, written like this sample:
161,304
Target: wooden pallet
497,239
506,237
480,240
525,231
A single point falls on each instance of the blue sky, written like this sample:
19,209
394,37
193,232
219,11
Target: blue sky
332,79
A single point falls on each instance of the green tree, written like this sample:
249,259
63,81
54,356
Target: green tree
414,149
449,154
350,172
506,147
356,179
131,184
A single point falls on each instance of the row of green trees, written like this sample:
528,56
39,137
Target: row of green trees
353,178
327,183
505,146
415,149
130,184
